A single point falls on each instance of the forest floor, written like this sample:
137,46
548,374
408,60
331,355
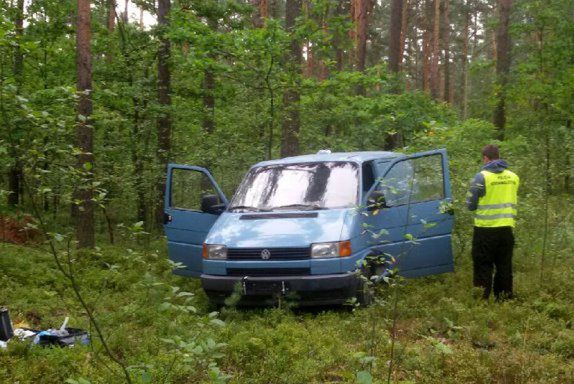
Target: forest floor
161,327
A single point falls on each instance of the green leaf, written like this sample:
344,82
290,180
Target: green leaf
443,348
146,377
217,322
364,377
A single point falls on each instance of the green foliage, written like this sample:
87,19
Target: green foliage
148,318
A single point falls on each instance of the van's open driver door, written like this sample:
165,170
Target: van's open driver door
193,202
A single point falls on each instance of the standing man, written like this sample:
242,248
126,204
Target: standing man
493,198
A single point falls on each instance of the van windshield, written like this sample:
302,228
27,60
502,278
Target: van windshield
305,186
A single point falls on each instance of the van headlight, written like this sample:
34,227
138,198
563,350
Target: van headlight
214,251
334,249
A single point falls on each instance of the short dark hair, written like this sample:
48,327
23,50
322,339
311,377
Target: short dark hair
491,151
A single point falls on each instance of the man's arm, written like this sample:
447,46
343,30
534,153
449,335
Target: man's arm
477,190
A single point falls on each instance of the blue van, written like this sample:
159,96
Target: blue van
302,225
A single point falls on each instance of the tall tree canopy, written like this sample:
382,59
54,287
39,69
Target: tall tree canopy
226,84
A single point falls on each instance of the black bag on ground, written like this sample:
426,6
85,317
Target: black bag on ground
6,331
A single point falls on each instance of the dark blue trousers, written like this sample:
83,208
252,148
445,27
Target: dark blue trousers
492,260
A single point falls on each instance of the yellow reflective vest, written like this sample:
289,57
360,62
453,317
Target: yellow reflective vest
497,208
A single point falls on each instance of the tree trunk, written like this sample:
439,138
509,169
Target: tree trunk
361,25
435,53
111,22
15,174
395,49
138,163
338,38
393,140
503,57
473,43
404,25
310,61
314,65
361,12
260,13
427,37
126,8
111,25
209,86
138,156
464,60
446,47
323,69
18,55
14,183
415,47
291,120
208,101
164,100
84,129
264,9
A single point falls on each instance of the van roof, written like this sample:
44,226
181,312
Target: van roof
356,157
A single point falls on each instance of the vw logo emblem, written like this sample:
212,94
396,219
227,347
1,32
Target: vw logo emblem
265,254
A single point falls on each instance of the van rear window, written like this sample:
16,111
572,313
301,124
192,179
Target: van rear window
324,185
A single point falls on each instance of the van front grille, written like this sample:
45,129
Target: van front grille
268,271
268,253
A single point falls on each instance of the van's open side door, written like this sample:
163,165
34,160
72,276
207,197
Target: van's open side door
193,202
430,218
415,224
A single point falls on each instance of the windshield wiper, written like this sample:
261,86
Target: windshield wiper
310,207
249,208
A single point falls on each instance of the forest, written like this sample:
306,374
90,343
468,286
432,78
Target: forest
98,97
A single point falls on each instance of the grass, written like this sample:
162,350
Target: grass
161,326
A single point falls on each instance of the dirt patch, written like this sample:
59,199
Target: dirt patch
18,230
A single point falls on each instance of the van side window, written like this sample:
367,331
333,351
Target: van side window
188,188
428,183
368,176
413,181
381,167
396,184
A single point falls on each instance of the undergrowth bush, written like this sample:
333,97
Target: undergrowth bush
162,326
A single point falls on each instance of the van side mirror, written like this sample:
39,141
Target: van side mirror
376,201
211,204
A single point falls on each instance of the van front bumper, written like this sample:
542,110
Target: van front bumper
303,290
